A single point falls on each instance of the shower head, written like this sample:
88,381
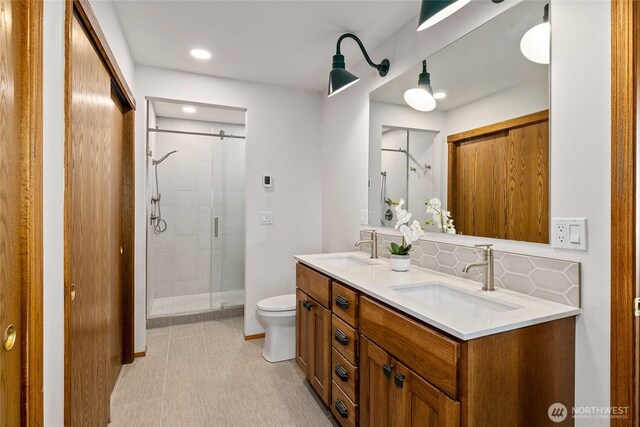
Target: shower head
157,162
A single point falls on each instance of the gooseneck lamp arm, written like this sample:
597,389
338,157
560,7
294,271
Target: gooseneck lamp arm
382,67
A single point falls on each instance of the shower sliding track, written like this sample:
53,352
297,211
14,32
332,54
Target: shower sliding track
221,134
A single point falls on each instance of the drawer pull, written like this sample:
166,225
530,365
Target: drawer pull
342,409
307,305
341,372
341,337
342,302
387,369
399,379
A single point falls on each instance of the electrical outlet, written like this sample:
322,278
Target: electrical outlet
266,218
569,233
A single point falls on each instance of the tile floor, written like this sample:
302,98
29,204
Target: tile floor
205,374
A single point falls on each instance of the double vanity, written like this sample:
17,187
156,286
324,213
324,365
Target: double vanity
425,348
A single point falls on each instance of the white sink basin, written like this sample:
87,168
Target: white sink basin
443,297
346,261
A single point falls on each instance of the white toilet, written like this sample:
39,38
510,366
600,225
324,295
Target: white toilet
277,315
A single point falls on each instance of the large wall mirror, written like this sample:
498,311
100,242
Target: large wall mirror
483,151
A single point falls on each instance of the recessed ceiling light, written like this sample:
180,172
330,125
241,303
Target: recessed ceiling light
439,95
189,110
200,54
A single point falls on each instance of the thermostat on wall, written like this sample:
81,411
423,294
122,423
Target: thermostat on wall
267,181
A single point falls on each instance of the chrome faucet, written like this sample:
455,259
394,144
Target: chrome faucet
487,267
373,241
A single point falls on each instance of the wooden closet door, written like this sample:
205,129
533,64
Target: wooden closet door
528,183
11,47
93,236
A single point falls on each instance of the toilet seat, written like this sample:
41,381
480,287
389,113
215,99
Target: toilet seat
280,303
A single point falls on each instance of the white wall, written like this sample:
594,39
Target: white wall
580,157
53,188
283,139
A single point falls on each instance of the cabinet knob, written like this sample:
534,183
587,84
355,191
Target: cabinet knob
342,409
387,369
307,305
342,302
341,337
398,379
341,372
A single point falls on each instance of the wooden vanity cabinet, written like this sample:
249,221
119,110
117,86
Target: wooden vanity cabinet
413,375
313,330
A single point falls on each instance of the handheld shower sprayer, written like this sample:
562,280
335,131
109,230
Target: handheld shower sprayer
159,224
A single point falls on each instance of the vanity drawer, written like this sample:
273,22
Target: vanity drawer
345,303
429,353
314,284
345,411
345,339
344,374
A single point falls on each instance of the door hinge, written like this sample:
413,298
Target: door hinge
636,306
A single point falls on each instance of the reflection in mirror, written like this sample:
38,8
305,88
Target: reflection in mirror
483,151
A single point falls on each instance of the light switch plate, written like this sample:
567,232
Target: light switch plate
266,217
569,233
364,217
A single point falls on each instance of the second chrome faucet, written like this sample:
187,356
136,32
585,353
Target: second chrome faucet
487,267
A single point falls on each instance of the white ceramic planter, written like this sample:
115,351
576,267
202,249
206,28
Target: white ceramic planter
400,262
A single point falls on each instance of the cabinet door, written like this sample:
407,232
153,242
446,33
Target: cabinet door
303,331
417,403
375,379
320,349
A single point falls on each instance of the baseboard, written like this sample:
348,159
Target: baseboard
253,337
140,354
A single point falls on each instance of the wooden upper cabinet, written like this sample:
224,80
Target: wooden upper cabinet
498,183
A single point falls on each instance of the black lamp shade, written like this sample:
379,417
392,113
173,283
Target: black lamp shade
441,8
339,78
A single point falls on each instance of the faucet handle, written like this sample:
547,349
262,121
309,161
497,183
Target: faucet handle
484,245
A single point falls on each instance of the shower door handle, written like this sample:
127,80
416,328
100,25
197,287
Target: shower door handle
215,227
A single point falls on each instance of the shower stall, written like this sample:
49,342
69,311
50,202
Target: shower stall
196,210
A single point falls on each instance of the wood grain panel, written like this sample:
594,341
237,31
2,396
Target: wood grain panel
314,284
341,294
374,385
624,352
21,210
10,204
350,385
320,367
529,368
498,183
418,403
96,174
337,395
350,349
431,354
527,192
303,349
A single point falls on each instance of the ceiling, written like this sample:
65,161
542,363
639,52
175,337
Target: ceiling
485,61
285,43
205,113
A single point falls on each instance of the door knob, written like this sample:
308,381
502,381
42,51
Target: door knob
72,291
9,339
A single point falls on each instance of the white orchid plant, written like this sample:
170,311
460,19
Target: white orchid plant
440,218
410,232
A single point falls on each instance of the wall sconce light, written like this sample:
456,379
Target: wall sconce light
339,78
434,11
421,97
535,45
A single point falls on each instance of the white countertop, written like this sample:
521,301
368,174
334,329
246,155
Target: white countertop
379,281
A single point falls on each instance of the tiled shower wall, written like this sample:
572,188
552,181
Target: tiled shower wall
204,179
551,279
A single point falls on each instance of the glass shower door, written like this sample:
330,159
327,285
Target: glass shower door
217,224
